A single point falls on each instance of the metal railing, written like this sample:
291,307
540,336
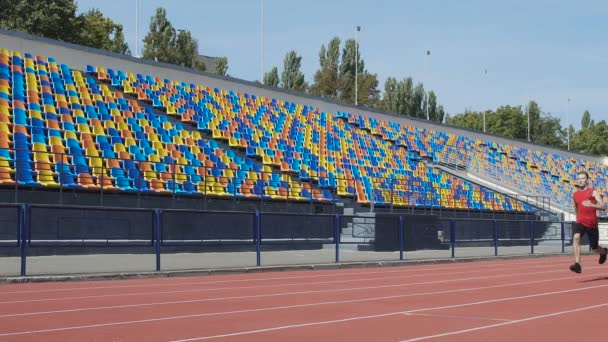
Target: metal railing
161,231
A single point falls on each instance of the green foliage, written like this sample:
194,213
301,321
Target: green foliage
100,32
165,44
511,122
326,78
221,66
159,43
271,78
586,120
291,77
51,19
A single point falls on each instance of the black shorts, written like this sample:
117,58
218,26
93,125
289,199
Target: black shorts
593,233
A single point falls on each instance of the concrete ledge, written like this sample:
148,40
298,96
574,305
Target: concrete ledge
264,269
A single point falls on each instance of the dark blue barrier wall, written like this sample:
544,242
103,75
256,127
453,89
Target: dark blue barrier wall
183,226
9,224
40,226
297,227
50,225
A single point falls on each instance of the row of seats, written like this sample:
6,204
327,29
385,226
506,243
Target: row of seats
60,128
316,145
63,128
535,172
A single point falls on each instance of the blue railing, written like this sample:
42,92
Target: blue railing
154,229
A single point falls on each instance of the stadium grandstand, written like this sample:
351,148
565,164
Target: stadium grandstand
84,127
150,196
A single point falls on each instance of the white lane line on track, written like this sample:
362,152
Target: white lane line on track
54,299
281,294
318,304
459,317
284,327
516,321
405,269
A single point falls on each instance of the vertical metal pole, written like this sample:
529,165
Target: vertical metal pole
62,156
528,115
262,34
453,237
102,178
392,194
23,222
137,28
495,225
205,187
563,237
157,235
532,237
568,123
401,234
337,236
357,66
258,240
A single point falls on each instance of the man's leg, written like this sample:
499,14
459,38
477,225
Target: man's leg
594,239
576,241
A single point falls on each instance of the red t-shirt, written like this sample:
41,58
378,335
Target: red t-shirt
585,215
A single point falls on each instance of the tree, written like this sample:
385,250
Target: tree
511,122
326,78
468,119
407,105
291,77
368,94
159,43
52,19
100,32
271,78
164,44
440,113
586,120
350,65
221,66
185,49
416,105
508,121
390,102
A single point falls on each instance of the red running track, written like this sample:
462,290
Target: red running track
513,300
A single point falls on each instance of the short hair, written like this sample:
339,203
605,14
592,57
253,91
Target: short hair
583,173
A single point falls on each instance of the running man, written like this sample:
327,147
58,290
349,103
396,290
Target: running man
587,201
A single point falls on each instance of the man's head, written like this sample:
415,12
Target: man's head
582,179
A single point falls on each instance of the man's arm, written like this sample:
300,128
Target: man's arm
600,203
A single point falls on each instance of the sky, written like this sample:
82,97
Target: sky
543,50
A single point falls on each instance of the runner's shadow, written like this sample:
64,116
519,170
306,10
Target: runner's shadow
605,278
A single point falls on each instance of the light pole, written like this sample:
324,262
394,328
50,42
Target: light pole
485,72
357,65
262,41
568,123
428,53
137,28
528,115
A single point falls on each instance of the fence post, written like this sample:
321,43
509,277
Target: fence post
401,237
258,239
337,236
23,223
563,237
157,235
532,237
453,236
495,225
